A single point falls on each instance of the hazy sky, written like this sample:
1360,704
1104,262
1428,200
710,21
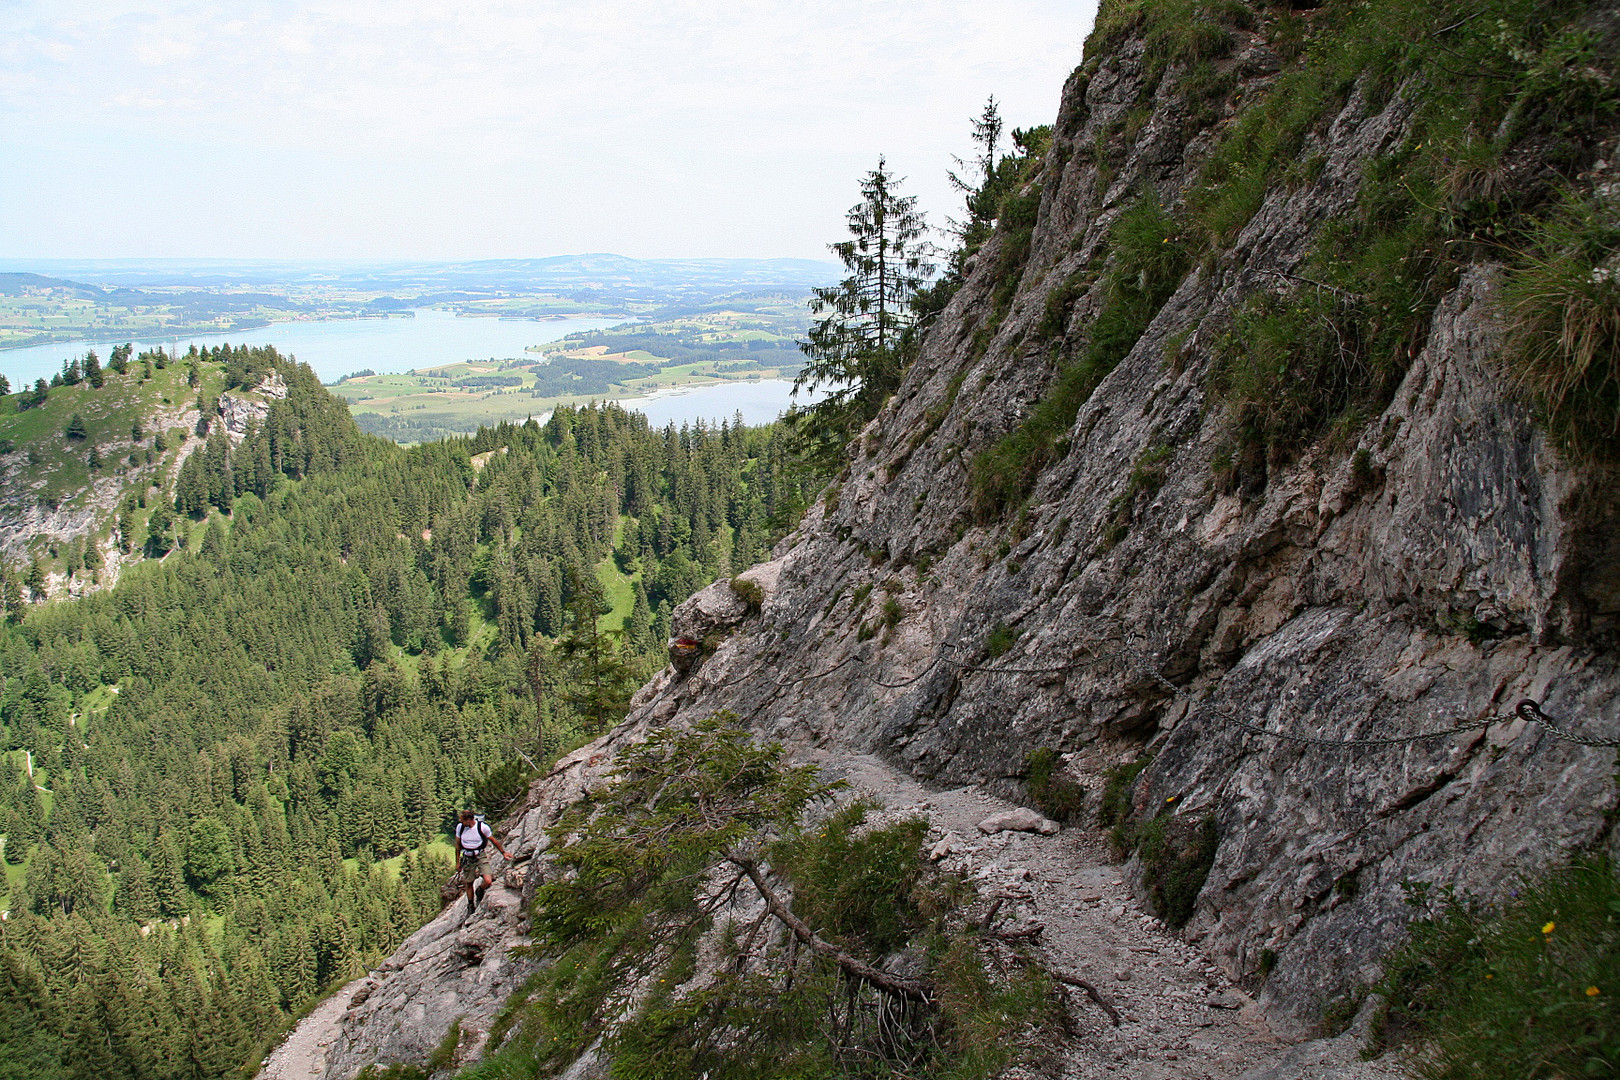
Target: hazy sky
482,129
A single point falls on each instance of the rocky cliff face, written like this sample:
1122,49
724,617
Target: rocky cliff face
1433,568
1422,571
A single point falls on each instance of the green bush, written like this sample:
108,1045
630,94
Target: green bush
1529,989
1057,796
1177,854
1000,639
857,888
622,926
748,592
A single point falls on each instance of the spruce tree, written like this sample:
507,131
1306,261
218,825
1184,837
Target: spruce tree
32,1045
854,354
168,877
92,370
134,897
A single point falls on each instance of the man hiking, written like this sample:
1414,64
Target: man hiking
472,835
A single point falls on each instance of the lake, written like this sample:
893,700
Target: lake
759,402
338,347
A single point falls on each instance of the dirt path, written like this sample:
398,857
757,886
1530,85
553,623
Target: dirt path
302,1054
1181,1019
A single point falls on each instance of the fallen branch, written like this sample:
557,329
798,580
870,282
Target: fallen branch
909,989
1029,933
1091,992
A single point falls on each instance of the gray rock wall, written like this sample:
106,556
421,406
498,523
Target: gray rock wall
1332,602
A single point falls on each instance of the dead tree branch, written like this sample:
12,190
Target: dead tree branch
909,989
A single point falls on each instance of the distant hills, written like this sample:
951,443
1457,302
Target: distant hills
561,273
52,300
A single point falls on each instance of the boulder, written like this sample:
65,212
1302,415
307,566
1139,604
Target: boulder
1021,819
708,611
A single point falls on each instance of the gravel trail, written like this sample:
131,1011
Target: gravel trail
302,1054
1181,1018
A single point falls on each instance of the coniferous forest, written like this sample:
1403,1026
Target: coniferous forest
229,776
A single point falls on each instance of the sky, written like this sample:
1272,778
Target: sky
431,129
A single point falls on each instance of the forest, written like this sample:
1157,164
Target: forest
228,777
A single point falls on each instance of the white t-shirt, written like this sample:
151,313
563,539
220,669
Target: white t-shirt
472,837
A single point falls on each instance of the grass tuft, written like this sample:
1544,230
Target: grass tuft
1529,989
1563,305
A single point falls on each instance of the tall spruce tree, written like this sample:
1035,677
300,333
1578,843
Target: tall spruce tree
855,355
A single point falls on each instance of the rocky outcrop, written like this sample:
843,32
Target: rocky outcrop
458,969
242,411
26,518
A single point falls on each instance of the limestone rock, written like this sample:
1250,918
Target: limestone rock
1020,820
708,611
460,965
1428,568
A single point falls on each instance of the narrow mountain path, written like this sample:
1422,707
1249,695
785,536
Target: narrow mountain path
1181,1018
302,1054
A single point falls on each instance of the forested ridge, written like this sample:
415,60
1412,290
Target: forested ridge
226,772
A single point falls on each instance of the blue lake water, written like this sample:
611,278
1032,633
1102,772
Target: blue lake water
338,347
759,402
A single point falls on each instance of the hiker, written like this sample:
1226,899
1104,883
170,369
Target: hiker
472,834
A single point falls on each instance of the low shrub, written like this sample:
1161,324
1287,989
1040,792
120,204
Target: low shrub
1000,639
1177,854
624,923
748,592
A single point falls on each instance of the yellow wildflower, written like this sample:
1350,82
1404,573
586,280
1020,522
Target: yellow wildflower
1549,928
1592,991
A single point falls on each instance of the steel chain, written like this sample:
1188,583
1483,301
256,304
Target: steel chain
1526,709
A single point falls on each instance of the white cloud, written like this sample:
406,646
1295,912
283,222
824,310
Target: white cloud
501,128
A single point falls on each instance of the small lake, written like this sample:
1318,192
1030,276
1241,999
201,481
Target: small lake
759,402
338,347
